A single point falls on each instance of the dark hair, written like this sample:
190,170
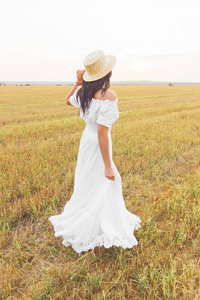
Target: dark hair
88,89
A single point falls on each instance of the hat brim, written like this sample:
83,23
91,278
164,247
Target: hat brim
92,77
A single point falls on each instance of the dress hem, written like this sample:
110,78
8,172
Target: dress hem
99,240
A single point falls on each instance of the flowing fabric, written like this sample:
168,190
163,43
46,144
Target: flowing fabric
96,215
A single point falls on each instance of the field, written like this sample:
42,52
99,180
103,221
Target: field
156,148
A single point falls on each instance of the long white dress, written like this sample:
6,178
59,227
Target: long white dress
95,215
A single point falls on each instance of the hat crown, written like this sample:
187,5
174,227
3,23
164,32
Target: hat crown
95,62
97,65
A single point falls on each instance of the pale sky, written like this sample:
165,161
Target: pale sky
47,40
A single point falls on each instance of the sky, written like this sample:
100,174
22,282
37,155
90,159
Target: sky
47,40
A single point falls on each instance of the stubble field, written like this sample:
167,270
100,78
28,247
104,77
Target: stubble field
156,148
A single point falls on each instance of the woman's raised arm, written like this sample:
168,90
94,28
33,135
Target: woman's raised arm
79,75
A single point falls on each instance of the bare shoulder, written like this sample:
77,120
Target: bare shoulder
109,95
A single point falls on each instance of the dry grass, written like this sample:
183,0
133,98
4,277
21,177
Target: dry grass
156,150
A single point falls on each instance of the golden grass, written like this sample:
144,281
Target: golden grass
156,150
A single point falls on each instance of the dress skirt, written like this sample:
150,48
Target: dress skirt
96,214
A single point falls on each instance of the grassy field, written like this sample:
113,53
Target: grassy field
156,148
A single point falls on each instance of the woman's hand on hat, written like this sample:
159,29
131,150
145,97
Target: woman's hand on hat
79,75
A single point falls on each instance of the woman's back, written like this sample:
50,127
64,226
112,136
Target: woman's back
101,111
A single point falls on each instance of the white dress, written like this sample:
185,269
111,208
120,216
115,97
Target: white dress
95,215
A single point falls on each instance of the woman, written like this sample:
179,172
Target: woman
96,214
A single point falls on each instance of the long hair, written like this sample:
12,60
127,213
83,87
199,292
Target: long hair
88,89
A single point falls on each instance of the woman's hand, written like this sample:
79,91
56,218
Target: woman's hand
109,173
79,75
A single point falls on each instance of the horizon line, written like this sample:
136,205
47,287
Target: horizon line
72,81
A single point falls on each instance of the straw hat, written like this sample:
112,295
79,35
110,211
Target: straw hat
97,65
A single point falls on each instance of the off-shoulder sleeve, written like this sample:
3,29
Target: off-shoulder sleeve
73,100
108,113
